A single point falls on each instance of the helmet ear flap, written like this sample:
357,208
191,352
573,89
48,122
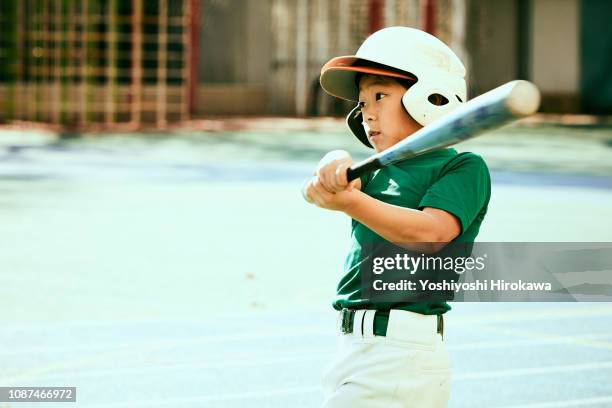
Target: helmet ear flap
354,120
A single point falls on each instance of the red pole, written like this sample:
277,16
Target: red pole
195,53
375,15
429,10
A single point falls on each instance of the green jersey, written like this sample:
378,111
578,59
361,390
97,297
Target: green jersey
458,183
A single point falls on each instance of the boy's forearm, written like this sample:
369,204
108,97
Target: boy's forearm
407,227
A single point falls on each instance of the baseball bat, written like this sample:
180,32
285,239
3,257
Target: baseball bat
498,107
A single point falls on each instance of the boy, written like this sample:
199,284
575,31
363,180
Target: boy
392,354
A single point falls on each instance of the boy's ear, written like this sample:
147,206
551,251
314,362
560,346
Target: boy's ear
354,120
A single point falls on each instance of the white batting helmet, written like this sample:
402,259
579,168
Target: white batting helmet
403,53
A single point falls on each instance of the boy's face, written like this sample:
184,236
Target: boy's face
384,118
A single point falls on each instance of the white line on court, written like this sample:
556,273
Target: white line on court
186,341
196,340
576,340
64,369
581,402
83,372
109,355
210,398
515,372
267,361
458,377
459,318
227,318
535,335
530,316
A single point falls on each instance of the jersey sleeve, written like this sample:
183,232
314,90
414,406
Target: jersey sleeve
463,189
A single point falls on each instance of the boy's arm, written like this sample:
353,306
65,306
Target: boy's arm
427,231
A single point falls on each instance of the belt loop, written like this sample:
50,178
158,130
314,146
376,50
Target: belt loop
358,322
368,323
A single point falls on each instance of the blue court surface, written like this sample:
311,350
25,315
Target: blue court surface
185,270
504,355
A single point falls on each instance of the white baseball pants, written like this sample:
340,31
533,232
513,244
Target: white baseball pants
409,367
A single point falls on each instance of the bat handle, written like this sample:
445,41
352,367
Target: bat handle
353,172
363,167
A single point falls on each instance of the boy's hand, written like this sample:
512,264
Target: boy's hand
331,171
314,192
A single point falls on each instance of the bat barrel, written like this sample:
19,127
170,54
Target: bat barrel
490,110
493,109
523,99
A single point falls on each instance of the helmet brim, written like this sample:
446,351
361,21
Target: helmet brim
338,76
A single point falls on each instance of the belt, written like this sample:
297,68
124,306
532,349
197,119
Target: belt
381,320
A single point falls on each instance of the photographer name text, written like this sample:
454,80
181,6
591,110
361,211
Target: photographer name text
478,285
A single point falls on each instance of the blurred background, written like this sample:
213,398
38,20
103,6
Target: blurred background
111,62
155,248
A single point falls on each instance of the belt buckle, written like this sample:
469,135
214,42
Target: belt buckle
348,317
